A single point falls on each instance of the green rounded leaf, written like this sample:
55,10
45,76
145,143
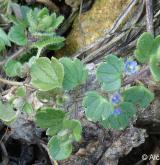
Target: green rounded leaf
59,149
75,127
74,73
155,67
120,121
13,68
47,75
17,35
109,73
49,117
138,95
144,47
97,107
4,37
7,114
54,129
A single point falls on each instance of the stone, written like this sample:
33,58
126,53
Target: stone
92,24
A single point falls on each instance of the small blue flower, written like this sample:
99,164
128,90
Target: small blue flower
117,111
115,98
131,67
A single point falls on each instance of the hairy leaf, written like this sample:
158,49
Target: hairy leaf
48,117
4,37
120,121
56,22
47,41
97,108
17,35
74,73
138,95
155,67
7,114
59,149
13,68
109,73
75,127
147,47
47,75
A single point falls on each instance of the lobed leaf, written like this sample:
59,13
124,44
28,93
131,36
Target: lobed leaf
4,37
59,149
120,121
48,117
7,114
17,35
138,95
74,73
109,73
97,108
47,41
155,67
144,47
47,74
75,127
13,68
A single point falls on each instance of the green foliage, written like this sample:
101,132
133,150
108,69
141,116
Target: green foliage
4,40
53,117
120,121
54,79
75,73
138,95
7,114
109,73
17,35
47,74
63,130
42,26
42,21
4,37
39,25
144,47
147,51
155,67
13,68
47,41
59,149
97,108
75,127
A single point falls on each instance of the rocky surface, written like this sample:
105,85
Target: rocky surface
91,25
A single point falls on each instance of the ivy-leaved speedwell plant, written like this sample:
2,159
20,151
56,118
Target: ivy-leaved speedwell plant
114,106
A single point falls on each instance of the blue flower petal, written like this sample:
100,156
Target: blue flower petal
116,98
131,67
117,111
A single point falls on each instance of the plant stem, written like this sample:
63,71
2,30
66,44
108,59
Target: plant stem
14,83
39,52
